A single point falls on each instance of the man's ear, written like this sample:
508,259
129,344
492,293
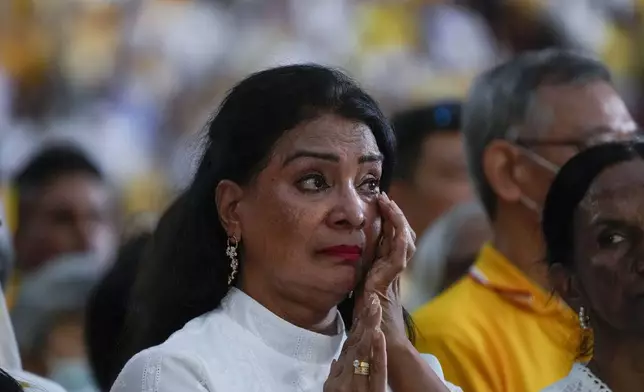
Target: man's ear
500,169
227,197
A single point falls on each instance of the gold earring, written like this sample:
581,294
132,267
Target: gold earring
231,252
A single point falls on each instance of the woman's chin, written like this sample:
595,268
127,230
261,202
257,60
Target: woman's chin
344,280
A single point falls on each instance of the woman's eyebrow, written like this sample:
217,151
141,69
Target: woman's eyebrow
328,157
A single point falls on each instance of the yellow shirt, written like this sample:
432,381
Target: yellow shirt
495,330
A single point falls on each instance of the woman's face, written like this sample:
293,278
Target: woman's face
609,247
309,224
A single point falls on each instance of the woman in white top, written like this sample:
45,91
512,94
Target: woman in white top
249,283
593,224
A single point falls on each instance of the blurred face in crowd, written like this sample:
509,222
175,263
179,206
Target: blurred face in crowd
607,276
569,119
71,214
470,238
439,183
310,222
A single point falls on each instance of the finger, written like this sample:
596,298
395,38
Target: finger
353,350
369,323
386,269
336,369
378,376
331,383
404,223
411,242
353,339
387,228
411,250
402,236
363,350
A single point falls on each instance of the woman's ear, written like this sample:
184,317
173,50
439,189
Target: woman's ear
227,197
566,285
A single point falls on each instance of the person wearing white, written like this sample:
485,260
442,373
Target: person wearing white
241,346
257,268
593,226
10,358
580,379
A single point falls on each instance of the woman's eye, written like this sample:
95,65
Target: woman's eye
611,239
313,183
371,185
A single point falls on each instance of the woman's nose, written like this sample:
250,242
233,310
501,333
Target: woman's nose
349,211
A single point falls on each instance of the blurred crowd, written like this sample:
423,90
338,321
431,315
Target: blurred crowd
133,80
103,103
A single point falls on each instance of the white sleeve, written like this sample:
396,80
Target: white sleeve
156,371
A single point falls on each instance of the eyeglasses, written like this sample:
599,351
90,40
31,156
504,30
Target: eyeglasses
636,137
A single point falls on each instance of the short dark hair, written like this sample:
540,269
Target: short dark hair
50,163
187,272
107,310
413,126
568,190
504,97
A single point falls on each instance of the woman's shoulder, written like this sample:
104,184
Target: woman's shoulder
161,369
193,333
182,358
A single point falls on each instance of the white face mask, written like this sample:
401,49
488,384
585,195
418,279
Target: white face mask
73,374
545,164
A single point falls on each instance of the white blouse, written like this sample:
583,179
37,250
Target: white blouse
580,379
239,347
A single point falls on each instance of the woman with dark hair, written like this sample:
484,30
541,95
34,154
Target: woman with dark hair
250,286
593,225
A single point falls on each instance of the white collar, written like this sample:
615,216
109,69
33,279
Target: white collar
586,379
279,334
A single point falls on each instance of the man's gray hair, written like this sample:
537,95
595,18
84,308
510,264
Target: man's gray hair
504,98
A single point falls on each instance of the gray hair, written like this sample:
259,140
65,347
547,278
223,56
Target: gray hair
504,98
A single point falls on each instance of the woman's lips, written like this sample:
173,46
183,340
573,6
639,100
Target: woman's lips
344,252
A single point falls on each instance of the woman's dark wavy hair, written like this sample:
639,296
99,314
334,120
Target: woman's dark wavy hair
185,274
569,188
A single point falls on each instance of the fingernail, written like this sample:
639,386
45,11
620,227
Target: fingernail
375,303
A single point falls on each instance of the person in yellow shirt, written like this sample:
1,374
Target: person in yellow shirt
501,328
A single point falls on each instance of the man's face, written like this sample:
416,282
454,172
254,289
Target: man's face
72,214
439,183
579,116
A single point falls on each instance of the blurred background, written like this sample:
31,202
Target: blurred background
131,83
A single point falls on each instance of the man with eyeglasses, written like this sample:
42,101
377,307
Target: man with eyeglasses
501,328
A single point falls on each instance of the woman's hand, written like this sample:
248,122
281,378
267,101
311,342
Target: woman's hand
395,250
366,343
